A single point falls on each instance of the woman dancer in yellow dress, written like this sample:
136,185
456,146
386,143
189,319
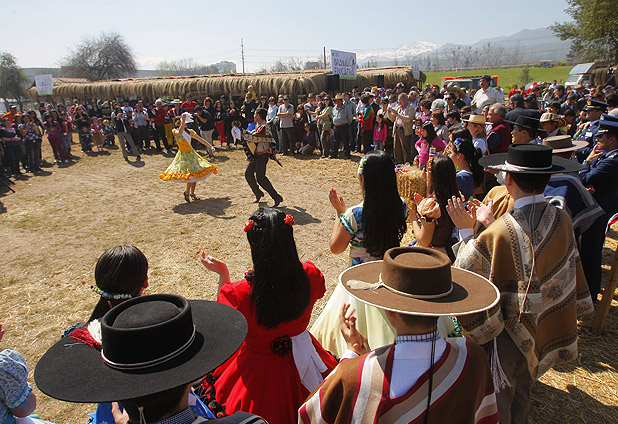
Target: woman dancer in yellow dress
188,166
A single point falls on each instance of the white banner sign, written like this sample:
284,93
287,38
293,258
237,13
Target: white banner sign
44,84
343,64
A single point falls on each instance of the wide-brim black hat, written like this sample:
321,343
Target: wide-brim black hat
528,123
529,159
227,124
419,281
149,344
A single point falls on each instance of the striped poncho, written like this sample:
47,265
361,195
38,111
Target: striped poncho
546,334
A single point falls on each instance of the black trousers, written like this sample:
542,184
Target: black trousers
367,141
143,140
342,135
160,136
256,174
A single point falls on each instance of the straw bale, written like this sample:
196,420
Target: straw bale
409,181
291,83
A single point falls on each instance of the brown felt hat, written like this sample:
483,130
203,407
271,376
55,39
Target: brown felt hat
419,281
563,143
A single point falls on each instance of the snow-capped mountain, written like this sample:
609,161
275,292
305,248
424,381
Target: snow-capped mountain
401,52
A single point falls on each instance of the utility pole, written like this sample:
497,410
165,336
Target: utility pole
242,55
324,57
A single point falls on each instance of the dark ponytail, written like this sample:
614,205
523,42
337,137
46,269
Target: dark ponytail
121,270
471,155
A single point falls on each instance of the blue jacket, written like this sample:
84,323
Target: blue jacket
602,174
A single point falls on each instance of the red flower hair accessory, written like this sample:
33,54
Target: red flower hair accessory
248,225
289,219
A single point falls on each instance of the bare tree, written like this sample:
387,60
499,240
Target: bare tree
289,64
99,57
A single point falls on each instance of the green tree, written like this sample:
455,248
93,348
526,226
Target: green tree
12,79
524,77
100,57
594,29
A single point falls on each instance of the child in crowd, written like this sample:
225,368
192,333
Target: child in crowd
236,134
121,273
428,140
251,91
17,401
97,133
108,133
380,132
267,376
85,139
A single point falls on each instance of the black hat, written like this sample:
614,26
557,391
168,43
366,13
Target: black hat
529,159
527,122
530,98
595,105
149,344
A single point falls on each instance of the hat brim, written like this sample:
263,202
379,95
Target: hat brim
577,144
471,293
526,126
497,162
72,371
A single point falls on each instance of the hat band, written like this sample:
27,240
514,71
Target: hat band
363,285
511,167
157,361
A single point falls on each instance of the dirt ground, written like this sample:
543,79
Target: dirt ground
56,225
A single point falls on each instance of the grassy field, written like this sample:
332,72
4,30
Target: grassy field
508,77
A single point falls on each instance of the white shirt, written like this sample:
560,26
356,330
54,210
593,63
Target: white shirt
409,363
480,143
487,97
272,112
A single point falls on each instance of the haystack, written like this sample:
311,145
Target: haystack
235,85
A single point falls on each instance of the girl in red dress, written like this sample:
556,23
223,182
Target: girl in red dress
280,362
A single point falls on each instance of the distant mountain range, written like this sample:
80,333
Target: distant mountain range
526,46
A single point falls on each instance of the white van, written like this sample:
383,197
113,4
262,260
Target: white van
580,74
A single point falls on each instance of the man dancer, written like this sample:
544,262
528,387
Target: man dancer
259,147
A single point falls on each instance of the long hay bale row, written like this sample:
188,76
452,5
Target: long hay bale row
291,83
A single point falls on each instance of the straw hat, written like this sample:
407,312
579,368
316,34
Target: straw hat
476,119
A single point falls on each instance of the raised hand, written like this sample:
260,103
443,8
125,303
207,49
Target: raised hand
355,340
213,264
337,201
484,212
461,215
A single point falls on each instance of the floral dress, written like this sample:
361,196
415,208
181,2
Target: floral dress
14,387
188,166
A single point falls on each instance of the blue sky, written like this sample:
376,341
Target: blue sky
41,33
